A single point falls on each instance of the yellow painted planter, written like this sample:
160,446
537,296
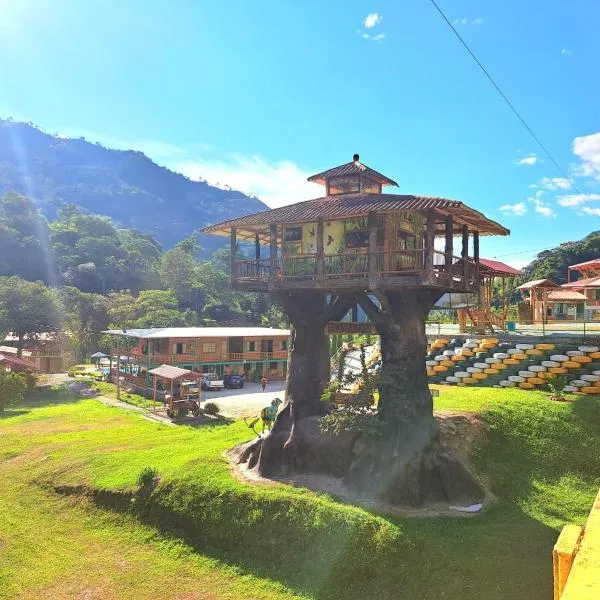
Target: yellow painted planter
548,347
493,341
525,385
536,380
487,346
446,363
589,389
534,352
583,359
557,370
466,352
430,372
510,361
439,369
594,354
456,358
469,380
440,341
491,371
500,366
519,356
571,364
479,376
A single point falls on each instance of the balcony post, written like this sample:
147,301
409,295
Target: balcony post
428,246
465,251
257,253
476,246
320,262
233,249
372,251
449,242
273,255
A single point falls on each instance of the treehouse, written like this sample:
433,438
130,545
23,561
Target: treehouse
356,237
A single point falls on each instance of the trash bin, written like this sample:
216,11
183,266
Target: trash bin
511,326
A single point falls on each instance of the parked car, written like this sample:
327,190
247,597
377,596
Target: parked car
233,382
211,381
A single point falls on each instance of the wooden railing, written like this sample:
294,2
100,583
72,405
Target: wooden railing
235,355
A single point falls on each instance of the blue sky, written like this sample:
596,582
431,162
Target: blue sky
258,95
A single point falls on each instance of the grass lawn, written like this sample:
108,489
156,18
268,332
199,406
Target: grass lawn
206,535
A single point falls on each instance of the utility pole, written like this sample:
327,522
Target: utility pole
118,370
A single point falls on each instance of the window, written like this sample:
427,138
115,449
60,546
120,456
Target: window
597,294
406,241
209,347
283,345
178,348
344,185
273,366
359,238
370,186
293,234
251,346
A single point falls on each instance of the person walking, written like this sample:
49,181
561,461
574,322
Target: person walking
263,383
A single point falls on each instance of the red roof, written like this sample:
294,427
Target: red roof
499,267
18,362
352,168
595,262
172,373
583,283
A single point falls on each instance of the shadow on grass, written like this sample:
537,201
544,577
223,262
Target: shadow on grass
502,552
40,398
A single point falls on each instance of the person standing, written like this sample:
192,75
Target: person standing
263,383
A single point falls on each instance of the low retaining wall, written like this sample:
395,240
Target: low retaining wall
576,559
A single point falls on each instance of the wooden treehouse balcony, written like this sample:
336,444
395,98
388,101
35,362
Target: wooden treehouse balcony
358,270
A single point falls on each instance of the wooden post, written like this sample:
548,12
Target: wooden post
372,255
320,250
154,394
428,246
465,252
449,242
257,254
273,255
233,248
476,246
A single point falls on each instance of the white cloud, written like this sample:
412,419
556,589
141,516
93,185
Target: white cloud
374,38
591,211
529,160
555,183
587,149
572,200
518,209
275,183
540,207
372,19
566,52
532,186
466,21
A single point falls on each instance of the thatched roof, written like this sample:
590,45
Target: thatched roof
355,167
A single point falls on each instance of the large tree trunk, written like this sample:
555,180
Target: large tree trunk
294,440
405,464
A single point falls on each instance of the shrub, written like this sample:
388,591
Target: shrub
12,389
210,408
146,477
31,380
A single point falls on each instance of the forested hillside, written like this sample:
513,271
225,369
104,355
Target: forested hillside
552,264
124,185
83,274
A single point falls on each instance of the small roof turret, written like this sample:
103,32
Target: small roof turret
351,169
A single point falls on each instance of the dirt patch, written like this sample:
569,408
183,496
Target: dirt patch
458,433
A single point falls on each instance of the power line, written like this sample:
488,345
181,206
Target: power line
521,252
505,98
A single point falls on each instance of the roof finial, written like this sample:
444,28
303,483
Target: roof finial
355,158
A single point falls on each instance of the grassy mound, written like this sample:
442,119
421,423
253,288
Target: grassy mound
541,458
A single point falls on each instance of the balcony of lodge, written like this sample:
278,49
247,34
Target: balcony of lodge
358,270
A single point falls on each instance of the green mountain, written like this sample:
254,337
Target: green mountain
552,264
124,185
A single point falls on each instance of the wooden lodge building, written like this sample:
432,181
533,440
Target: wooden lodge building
357,237
245,351
49,352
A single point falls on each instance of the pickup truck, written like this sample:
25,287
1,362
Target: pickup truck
211,381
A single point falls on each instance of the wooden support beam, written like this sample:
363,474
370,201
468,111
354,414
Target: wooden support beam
320,250
428,246
465,251
233,249
257,246
372,256
449,249
273,255
476,246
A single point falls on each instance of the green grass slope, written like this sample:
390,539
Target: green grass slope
277,541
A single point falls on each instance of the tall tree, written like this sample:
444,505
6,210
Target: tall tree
29,309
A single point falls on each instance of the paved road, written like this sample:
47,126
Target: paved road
245,402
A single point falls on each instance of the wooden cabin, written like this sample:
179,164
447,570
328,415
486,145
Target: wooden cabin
548,301
358,237
588,284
